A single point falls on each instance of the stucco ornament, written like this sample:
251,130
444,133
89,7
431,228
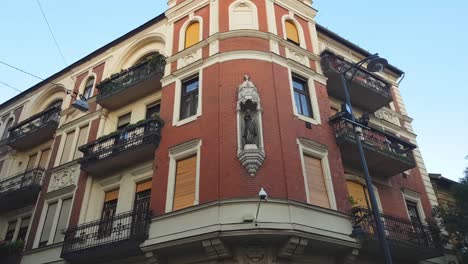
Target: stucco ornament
250,152
64,177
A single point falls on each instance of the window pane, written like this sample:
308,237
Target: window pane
298,85
298,102
189,99
63,218
10,231
44,157
67,147
48,224
153,109
81,141
305,106
23,228
191,86
124,121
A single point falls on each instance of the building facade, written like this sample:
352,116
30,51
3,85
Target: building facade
187,118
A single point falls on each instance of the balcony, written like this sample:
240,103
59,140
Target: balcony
130,84
21,190
407,240
10,252
134,144
368,92
386,155
35,130
107,239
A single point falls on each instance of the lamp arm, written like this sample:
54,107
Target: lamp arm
359,63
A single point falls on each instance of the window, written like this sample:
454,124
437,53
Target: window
123,121
142,196
316,182
108,212
62,220
31,162
145,58
358,195
44,157
192,34
184,194
88,90
301,96
189,98
153,109
82,138
56,103
413,211
23,230
10,231
8,125
67,147
292,34
47,228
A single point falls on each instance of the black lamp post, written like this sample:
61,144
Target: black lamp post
376,64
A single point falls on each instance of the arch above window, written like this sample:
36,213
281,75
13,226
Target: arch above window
292,34
243,15
88,89
56,103
146,57
192,34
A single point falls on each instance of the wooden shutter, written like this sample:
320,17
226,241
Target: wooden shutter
316,182
31,162
143,186
112,195
358,193
67,147
192,34
291,32
44,156
81,141
184,194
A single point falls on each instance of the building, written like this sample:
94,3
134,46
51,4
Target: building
188,117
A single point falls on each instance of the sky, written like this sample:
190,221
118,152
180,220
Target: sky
428,40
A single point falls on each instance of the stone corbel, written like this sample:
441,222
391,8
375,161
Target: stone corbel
294,247
215,248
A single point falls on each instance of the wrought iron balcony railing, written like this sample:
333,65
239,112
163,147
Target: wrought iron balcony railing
331,62
399,231
127,229
22,181
133,76
40,126
138,140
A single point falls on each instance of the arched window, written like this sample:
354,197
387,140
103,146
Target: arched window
88,90
8,125
56,103
147,57
192,34
291,32
358,195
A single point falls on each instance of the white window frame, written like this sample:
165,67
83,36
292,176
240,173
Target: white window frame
414,197
177,153
176,121
253,7
19,220
315,119
45,209
316,150
85,80
183,29
299,28
63,139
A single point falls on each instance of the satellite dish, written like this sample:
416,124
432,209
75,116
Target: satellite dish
377,64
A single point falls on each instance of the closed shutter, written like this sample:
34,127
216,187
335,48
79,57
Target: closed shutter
358,193
291,32
44,157
184,194
192,34
67,147
81,141
112,195
143,186
31,162
316,183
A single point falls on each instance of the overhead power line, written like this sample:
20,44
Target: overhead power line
23,71
7,85
52,33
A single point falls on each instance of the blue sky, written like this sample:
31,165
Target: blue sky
426,39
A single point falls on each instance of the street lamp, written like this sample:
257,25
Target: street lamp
376,64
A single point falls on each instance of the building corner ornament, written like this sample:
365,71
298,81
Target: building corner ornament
251,153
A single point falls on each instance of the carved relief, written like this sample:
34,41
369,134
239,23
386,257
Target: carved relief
64,177
189,58
387,115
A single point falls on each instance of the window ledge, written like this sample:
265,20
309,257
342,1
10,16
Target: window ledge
307,119
186,120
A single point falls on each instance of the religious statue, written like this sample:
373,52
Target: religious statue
250,128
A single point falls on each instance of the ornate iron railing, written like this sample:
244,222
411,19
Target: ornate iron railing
331,62
374,138
131,76
22,181
144,132
397,229
35,122
129,226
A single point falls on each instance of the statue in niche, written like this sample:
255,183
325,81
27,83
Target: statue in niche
250,128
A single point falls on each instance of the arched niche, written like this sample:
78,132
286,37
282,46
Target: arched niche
243,14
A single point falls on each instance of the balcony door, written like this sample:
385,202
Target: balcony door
141,208
108,213
416,232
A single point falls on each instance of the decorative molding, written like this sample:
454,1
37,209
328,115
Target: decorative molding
388,115
186,146
64,177
293,247
215,248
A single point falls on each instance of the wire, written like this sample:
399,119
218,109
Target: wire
7,85
52,33
23,71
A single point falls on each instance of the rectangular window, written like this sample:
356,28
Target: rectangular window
184,194
67,147
189,98
153,109
44,157
108,213
48,224
23,228
316,182
31,162
301,96
10,231
62,220
124,121
413,211
142,196
81,141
